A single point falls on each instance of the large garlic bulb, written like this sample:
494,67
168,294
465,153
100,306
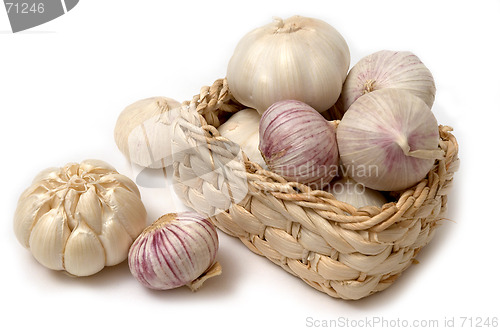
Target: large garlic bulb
388,69
243,129
142,131
80,218
299,58
388,140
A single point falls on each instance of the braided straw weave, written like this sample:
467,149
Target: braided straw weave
345,252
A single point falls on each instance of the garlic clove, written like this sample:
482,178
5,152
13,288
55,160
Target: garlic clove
48,238
119,179
388,69
142,131
71,169
46,174
243,129
125,210
83,255
93,166
89,208
116,242
69,200
28,211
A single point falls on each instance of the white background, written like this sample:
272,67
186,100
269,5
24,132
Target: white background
63,84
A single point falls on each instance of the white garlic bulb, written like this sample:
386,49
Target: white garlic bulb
80,218
299,58
176,250
388,69
356,194
243,129
388,140
143,132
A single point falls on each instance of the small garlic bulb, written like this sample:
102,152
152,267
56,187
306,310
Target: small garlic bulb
243,129
299,58
388,140
142,131
388,69
356,194
80,218
176,250
298,143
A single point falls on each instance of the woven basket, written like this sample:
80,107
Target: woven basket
345,252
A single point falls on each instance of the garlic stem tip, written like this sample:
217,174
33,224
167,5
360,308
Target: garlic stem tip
402,142
279,22
214,270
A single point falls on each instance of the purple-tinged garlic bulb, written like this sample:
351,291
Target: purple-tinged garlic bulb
176,250
388,69
298,144
388,140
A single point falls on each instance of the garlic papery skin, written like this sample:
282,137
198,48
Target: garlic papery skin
80,218
176,250
143,131
243,129
299,58
356,194
388,140
298,144
388,69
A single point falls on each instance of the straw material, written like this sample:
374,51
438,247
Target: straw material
345,252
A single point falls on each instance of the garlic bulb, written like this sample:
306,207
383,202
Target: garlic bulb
388,140
176,250
80,217
298,58
355,194
298,144
243,129
388,69
142,131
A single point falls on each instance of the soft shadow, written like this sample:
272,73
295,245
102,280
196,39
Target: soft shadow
104,278
151,178
218,286
116,275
